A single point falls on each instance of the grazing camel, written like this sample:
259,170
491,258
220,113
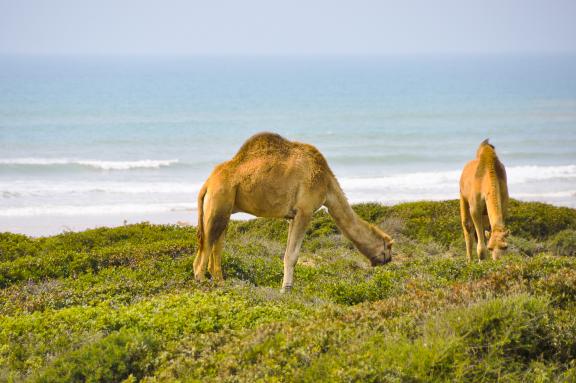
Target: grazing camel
484,202
273,177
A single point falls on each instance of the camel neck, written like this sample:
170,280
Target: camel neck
352,226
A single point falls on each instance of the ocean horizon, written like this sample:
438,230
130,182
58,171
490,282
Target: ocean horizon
91,141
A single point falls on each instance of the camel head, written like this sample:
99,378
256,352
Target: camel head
382,252
498,242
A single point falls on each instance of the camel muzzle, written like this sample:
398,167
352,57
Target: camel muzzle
381,261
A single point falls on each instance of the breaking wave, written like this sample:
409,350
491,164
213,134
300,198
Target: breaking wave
95,210
450,179
94,164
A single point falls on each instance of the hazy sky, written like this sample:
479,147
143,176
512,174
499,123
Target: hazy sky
286,27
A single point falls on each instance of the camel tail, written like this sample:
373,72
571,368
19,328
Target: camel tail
200,227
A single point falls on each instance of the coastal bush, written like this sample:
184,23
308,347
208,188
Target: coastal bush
51,265
254,261
268,228
115,304
350,292
62,262
13,246
525,246
122,354
564,243
491,340
428,221
559,284
539,221
28,340
104,237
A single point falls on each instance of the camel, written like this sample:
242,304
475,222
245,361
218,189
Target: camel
484,202
273,177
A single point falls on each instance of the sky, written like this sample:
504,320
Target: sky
291,27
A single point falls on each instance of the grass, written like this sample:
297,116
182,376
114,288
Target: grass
121,304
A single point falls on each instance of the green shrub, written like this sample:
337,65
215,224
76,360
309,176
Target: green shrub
352,291
104,237
322,225
63,262
122,303
13,246
429,221
258,261
564,243
113,358
561,285
488,341
267,228
525,246
540,221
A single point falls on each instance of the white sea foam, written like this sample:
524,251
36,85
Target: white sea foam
96,164
398,197
441,183
438,180
530,183
401,181
24,198
546,195
522,174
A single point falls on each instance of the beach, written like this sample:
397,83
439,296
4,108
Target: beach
88,142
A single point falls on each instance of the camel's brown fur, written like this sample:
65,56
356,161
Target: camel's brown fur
484,202
273,177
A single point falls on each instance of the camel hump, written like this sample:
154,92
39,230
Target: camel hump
263,142
266,137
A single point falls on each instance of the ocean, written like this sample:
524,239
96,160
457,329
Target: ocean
89,141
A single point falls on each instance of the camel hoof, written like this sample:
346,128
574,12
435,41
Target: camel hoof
286,289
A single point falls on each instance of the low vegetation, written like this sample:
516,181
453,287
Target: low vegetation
121,304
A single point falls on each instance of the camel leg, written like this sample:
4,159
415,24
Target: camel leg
216,229
215,260
478,225
487,227
200,263
296,231
467,227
